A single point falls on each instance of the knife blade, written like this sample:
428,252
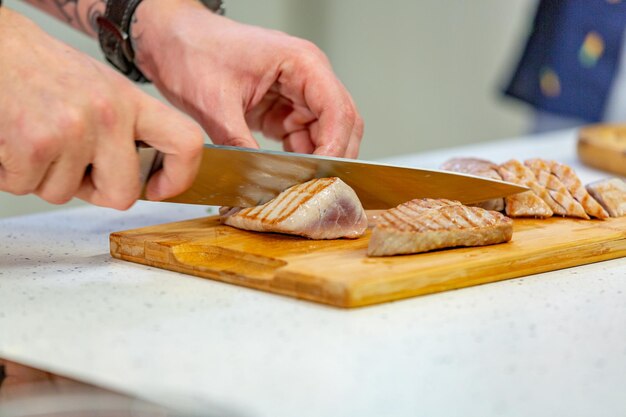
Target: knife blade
242,177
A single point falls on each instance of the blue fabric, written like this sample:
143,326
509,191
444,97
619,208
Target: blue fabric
577,79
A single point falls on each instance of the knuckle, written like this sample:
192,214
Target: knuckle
41,147
105,110
310,47
120,203
20,189
195,144
360,127
194,140
126,198
309,54
55,197
238,142
15,186
350,114
71,124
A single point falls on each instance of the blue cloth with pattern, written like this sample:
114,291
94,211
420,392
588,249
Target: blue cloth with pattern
580,81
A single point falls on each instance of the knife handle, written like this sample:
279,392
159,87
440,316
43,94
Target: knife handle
150,161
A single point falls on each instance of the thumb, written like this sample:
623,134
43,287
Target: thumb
226,125
178,138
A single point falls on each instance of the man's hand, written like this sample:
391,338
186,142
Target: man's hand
62,112
232,78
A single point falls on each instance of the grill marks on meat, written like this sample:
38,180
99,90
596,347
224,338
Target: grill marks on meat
568,177
422,225
527,178
528,203
611,194
556,188
324,208
403,215
480,168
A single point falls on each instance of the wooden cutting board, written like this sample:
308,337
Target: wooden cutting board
603,146
338,272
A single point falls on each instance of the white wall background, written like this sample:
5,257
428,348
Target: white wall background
424,73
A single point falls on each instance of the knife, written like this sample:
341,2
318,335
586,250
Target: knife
242,177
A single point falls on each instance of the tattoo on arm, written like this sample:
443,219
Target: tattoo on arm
80,14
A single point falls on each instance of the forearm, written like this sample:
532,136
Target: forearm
80,14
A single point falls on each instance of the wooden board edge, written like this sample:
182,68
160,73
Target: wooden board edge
594,253
318,289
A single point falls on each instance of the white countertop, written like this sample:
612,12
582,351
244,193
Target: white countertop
552,344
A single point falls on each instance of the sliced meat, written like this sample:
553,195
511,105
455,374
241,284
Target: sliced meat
528,203
527,177
324,208
557,190
569,178
480,168
611,194
422,225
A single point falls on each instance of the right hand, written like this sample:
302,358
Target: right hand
61,111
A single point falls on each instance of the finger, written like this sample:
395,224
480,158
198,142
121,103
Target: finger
114,177
280,118
23,169
63,178
179,139
355,139
299,142
328,100
254,116
226,125
336,123
272,120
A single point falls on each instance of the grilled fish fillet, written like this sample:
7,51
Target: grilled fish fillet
480,168
323,208
611,194
569,178
422,225
556,189
528,203
528,178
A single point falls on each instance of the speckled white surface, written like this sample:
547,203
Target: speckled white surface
552,344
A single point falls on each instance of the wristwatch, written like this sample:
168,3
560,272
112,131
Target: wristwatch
114,34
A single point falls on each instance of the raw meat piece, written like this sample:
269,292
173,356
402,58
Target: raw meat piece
480,168
526,204
569,178
611,194
556,188
323,208
424,224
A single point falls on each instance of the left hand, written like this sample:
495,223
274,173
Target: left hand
233,77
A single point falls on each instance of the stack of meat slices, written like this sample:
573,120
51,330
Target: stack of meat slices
555,189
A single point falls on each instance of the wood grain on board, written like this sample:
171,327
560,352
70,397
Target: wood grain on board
339,273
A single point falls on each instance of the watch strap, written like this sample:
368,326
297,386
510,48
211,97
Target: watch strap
114,34
114,37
